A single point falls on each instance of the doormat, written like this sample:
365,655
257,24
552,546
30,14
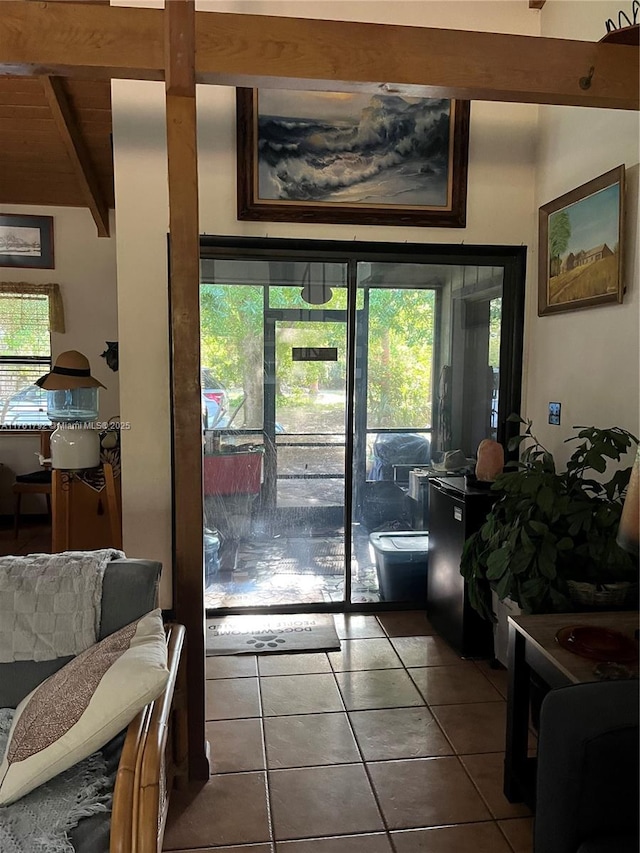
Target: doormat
254,635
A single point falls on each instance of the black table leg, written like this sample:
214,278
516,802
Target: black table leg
515,757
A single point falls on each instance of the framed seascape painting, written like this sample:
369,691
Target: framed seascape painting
580,250
351,158
26,241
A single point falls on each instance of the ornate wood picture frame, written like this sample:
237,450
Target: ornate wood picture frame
351,158
580,253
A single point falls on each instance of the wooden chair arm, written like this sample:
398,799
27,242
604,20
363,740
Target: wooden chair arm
147,767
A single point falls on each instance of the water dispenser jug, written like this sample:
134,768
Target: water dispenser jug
72,404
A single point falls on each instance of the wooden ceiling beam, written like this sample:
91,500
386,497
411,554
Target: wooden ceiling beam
20,112
77,152
39,194
86,41
250,50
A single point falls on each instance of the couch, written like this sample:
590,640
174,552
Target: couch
587,776
143,759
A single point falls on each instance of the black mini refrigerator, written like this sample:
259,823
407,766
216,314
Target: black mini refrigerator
455,512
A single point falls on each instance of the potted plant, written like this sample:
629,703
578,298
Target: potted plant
552,534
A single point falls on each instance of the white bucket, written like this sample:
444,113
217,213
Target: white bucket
74,446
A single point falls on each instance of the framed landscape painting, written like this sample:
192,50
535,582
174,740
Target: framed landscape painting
342,157
580,251
26,241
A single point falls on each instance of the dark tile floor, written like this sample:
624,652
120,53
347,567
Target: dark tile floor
34,536
392,745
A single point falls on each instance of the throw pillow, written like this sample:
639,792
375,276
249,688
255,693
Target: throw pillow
81,707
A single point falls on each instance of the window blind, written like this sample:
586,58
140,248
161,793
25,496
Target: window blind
25,354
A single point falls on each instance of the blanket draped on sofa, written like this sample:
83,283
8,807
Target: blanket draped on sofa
50,603
40,821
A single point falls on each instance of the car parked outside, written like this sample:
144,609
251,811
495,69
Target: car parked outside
27,407
215,401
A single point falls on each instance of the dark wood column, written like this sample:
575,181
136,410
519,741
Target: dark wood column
184,282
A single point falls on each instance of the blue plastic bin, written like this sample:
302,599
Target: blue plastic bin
401,563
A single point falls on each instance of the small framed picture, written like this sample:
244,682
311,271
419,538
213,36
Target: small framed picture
26,241
554,413
581,246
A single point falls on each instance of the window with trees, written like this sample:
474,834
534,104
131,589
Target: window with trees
28,315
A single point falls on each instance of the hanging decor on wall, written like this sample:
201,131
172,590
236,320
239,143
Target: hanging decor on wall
581,247
341,157
110,355
623,20
26,241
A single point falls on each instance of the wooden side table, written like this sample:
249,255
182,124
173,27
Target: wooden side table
84,519
533,648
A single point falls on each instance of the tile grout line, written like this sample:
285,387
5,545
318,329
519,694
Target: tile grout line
504,835
440,727
532,731
462,764
364,763
267,786
428,706
457,754
350,763
480,669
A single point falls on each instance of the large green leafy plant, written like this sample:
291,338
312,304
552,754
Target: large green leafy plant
548,526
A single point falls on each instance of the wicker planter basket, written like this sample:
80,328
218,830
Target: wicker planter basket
603,595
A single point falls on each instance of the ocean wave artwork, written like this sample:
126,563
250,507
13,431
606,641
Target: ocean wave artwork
352,148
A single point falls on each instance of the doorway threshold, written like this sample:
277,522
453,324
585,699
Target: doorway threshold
272,571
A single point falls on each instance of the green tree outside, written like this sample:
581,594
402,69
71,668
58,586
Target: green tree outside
24,331
559,236
400,351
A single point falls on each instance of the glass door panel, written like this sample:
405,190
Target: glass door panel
274,354
232,356
468,402
397,331
311,363
426,394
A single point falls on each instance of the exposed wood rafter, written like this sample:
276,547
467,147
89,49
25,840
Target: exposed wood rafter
536,4
71,135
188,595
249,50
624,35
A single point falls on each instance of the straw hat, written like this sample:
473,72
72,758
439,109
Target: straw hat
71,370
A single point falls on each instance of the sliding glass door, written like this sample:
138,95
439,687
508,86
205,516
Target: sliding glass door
330,372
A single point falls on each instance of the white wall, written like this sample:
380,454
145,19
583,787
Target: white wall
502,137
85,269
575,358
589,359
142,212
